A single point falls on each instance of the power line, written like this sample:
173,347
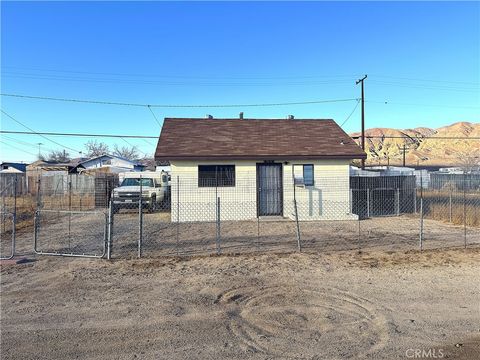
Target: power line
427,105
208,77
158,122
427,80
229,105
26,127
238,83
205,77
134,147
79,134
348,117
174,105
24,143
18,149
156,137
148,142
426,87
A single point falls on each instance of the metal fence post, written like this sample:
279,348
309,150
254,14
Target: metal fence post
351,201
14,220
178,214
415,200
359,234
450,204
110,229
39,199
140,219
218,226
464,210
368,203
70,211
421,212
397,201
297,225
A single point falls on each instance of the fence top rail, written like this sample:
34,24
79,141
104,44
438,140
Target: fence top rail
73,211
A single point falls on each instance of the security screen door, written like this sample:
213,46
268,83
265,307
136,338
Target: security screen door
269,189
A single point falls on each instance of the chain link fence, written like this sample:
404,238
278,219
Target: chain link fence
213,220
8,211
150,215
65,212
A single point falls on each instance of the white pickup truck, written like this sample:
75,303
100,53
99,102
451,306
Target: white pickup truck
153,185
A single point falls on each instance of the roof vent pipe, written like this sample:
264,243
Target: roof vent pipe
290,117
241,115
208,116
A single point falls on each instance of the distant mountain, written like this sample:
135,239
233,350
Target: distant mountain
425,146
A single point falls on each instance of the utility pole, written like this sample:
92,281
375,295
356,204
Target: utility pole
39,151
404,153
363,116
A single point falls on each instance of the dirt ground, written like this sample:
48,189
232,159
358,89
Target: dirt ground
375,304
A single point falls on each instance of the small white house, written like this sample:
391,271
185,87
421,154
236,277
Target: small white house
257,167
13,168
110,164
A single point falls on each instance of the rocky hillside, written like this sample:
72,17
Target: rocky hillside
425,146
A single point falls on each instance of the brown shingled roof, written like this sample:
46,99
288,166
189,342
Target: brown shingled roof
248,139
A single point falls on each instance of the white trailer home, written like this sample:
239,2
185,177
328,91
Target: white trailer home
257,167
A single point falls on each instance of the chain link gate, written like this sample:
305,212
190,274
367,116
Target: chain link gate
70,233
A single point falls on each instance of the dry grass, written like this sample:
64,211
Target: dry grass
446,207
26,206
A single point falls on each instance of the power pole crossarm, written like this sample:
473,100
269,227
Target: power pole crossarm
363,116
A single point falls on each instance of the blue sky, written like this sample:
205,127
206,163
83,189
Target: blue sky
422,58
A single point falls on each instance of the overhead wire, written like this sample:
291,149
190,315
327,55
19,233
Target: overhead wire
387,102
348,117
426,80
23,143
16,148
174,105
204,77
156,137
29,128
154,116
134,147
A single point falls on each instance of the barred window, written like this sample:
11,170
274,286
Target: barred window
216,175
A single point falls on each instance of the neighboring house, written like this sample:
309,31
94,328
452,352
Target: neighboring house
163,166
45,167
11,167
110,164
251,164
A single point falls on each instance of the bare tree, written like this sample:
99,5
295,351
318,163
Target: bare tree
130,153
469,161
96,148
59,156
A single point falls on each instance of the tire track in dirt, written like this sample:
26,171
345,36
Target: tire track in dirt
303,322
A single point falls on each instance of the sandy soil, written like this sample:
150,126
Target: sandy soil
262,306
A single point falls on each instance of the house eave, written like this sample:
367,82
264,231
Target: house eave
260,157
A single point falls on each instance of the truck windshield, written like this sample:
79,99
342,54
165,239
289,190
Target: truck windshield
136,182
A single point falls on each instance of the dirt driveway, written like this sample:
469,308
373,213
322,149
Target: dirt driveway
309,306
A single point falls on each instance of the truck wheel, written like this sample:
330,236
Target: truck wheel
115,209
